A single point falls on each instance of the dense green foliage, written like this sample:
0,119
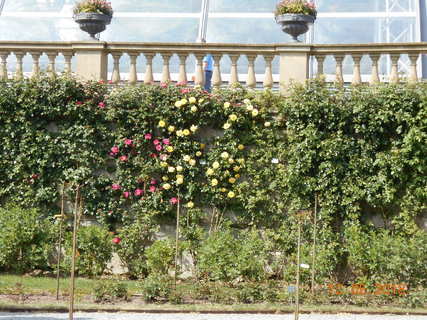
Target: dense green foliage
240,158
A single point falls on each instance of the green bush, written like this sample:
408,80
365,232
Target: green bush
156,286
94,248
160,256
26,239
109,290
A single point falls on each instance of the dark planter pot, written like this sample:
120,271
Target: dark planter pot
92,23
295,24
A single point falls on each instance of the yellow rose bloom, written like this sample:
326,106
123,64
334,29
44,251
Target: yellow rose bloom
232,180
240,147
171,169
190,204
226,125
254,112
223,190
201,100
179,176
193,108
214,182
186,132
202,146
199,154
166,186
210,172
164,164
192,162
231,194
192,100
169,148
224,155
236,168
184,101
187,158
179,133
178,104
241,160
215,165
179,168
193,128
171,128
231,161
237,176
267,124
165,178
249,107
179,181
233,117
227,105
246,101
162,123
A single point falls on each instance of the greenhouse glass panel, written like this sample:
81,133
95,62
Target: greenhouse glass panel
157,6
264,6
366,6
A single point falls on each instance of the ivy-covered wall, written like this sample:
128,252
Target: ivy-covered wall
141,151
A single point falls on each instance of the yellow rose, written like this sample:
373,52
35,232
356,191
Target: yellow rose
231,194
202,146
236,168
165,178
223,190
162,123
193,108
186,132
184,101
179,181
179,133
254,112
241,160
210,172
232,180
166,186
227,105
233,117
169,148
164,164
249,107
215,165
240,147
201,100
193,128
226,126
198,154
179,176
171,128
171,169
179,168
192,100
214,182
237,176
192,162
267,124
187,158
190,204
178,104
224,155
246,101
230,161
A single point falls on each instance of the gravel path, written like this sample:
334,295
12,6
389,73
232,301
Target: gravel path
194,316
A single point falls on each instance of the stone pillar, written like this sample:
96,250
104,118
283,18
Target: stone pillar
91,60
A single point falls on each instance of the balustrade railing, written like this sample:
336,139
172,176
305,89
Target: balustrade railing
89,60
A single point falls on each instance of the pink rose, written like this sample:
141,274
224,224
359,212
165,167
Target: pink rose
112,154
152,189
156,142
153,181
163,85
115,186
138,192
158,147
163,157
126,194
115,149
123,158
101,105
128,142
174,200
184,91
153,155
116,240
79,102
35,176
166,142
148,136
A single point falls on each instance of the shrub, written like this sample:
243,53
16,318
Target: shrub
94,248
160,256
109,290
156,286
26,239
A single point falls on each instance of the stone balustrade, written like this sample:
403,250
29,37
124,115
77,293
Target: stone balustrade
295,62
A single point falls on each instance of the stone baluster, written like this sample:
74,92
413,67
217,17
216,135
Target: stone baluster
200,78
3,69
356,69
251,80
413,57
149,67
234,77
394,77
19,71
182,76
375,77
51,56
35,69
268,76
67,56
216,76
320,60
338,69
115,77
166,77
133,78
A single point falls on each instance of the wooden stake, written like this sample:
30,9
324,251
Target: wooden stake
73,259
313,267
176,239
298,267
60,242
